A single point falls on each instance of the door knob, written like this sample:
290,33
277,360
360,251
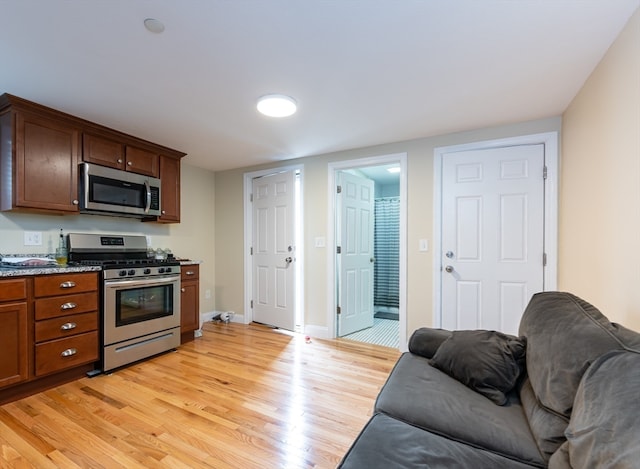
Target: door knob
449,254
288,260
448,269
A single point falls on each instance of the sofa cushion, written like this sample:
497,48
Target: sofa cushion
604,427
387,442
565,334
424,396
489,362
426,340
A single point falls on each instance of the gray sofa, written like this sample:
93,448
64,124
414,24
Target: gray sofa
565,394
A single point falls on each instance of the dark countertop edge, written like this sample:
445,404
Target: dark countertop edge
47,270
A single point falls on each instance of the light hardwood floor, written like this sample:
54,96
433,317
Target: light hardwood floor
238,397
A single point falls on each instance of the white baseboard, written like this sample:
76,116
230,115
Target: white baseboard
319,332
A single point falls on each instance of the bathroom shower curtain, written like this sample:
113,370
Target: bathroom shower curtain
387,252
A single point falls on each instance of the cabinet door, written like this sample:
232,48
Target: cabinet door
170,189
47,155
141,161
14,334
102,151
189,299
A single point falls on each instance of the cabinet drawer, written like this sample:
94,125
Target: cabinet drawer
66,326
60,354
189,272
14,289
50,285
65,305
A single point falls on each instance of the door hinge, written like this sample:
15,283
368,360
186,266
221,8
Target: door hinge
338,310
339,189
251,304
251,251
250,197
544,172
544,259
338,250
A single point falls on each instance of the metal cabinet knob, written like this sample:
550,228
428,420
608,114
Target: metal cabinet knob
183,290
129,163
69,352
68,326
119,160
75,202
448,269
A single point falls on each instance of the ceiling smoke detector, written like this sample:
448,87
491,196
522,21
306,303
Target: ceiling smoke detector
154,25
277,105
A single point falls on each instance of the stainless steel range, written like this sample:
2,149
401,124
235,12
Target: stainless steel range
140,296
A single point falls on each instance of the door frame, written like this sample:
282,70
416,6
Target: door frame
333,168
248,237
550,270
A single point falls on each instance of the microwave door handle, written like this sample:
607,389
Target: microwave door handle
147,187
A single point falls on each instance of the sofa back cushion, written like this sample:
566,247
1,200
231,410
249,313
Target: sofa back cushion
604,427
565,334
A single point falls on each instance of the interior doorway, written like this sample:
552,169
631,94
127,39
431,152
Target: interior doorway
385,300
274,251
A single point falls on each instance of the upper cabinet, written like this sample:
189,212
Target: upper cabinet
40,149
105,151
40,153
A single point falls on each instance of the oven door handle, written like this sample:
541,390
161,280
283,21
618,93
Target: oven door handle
142,282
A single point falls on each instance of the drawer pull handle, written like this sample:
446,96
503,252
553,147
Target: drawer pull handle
68,306
68,326
69,352
68,284
190,272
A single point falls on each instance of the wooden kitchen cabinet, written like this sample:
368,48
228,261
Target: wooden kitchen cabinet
40,152
66,321
14,333
169,189
189,301
116,153
40,149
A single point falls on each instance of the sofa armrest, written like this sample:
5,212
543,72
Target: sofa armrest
426,340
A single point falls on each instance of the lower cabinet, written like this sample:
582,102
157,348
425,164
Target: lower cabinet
189,301
49,332
66,321
14,333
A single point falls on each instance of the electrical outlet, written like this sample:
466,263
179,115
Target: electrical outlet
33,238
207,294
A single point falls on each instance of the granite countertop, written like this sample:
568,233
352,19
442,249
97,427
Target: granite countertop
21,272
189,262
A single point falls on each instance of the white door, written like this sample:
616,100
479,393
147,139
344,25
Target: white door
492,236
274,250
355,260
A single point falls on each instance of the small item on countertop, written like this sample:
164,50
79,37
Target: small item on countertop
61,251
27,261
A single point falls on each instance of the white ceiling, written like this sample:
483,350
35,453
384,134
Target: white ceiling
363,71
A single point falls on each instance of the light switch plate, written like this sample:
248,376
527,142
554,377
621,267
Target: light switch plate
319,242
423,245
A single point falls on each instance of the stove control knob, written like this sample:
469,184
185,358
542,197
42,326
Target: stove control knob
147,271
168,269
161,270
131,272
122,273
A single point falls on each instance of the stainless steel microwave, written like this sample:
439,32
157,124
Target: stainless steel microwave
107,191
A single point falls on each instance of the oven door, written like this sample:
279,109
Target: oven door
138,307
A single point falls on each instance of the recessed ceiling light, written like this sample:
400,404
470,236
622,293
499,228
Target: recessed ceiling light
154,25
394,169
277,105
